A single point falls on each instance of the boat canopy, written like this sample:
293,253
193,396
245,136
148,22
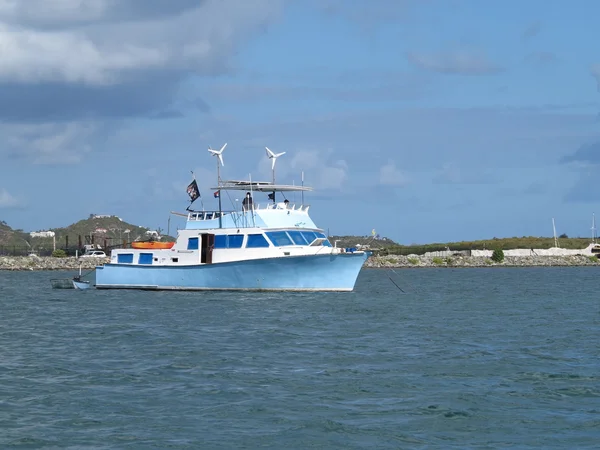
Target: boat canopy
259,186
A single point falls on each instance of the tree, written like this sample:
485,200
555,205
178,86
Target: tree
498,255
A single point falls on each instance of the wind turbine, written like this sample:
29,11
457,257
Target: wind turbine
273,157
219,155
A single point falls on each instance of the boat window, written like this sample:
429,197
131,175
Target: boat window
326,242
309,236
279,238
235,241
145,258
125,258
220,241
192,243
175,259
229,240
256,241
297,237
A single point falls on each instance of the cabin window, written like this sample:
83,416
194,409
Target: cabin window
229,240
326,242
309,236
145,258
235,241
297,237
125,258
256,241
175,259
279,238
192,243
220,241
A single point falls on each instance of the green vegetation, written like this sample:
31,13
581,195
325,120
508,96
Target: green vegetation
413,261
498,255
59,253
388,247
438,261
594,259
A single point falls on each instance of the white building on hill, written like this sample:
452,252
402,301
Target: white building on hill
42,234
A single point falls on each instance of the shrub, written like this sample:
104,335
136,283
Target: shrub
59,253
413,261
498,255
437,260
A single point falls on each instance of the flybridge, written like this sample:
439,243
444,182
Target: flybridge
259,186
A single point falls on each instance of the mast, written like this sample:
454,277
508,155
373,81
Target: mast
593,228
219,186
302,192
555,238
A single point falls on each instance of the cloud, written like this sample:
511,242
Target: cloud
451,174
595,71
389,175
325,172
7,200
454,62
70,69
107,58
587,154
50,143
541,58
531,31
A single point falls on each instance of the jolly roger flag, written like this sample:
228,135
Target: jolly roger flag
193,191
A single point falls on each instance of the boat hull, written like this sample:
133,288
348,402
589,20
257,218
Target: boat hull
331,272
82,285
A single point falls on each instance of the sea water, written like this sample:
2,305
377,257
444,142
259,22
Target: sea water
451,358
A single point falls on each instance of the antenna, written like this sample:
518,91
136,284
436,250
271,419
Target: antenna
302,191
555,238
593,228
273,157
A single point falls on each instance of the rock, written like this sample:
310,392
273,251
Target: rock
48,263
415,261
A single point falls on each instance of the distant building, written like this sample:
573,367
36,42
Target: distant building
104,216
42,234
101,230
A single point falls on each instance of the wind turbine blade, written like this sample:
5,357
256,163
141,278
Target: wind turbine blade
221,159
270,154
279,154
273,165
223,148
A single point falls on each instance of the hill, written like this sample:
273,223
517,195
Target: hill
105,231
10,237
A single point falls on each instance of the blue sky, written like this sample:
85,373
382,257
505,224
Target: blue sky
430,121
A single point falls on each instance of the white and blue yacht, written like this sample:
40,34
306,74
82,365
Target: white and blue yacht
275,246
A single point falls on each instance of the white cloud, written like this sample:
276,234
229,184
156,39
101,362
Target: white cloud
391,176
50,143
7,200
317,166
107,51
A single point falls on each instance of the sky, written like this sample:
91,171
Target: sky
427,120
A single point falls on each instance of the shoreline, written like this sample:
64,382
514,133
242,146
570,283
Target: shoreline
415,262
23,263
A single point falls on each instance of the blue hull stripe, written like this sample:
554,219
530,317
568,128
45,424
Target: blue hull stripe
291,273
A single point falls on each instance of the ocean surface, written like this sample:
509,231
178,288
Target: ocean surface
454,358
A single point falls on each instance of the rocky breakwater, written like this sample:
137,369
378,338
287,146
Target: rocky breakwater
48,263
415,261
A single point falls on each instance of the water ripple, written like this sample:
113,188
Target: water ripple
482,358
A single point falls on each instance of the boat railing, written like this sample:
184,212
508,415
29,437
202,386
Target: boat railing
211,215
